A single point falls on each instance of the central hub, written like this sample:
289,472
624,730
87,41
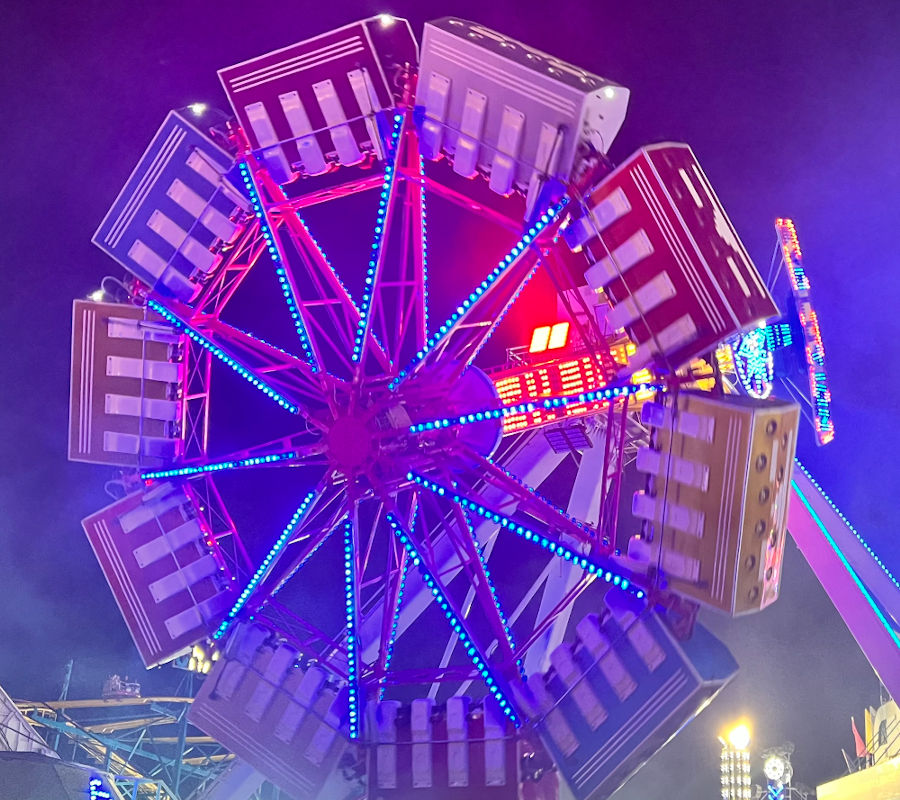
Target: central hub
350,443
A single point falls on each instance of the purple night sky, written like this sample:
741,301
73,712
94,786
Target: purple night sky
792,109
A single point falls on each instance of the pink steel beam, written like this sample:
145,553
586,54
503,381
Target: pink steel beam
231,273
474,571
319,196
327,509
434,567
195,401
329,313
398,298
289,374
529,501
822,535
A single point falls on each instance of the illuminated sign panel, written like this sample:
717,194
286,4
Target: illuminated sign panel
557,378
815,351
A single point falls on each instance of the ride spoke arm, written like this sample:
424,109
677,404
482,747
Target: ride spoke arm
399,301
454,618
476,570
295,450
312,523
280,369
529,501
548,539
252,359
230,274
466,331
330,317
378,257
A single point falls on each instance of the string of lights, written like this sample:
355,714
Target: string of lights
226,359
477,659
556,548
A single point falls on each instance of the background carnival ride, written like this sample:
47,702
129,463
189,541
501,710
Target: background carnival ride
422,557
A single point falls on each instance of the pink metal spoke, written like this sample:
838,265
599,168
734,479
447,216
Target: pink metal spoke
299,450
288,373
399,302
230,274
548,538
328,312
461,337
528,500
379,253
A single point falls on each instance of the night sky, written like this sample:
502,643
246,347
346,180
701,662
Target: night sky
792,109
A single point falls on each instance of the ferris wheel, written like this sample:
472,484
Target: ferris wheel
449,596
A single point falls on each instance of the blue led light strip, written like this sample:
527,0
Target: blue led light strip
556,548
380,220
532,491
353,699
395,622
846,522
487,574
286,534
182,472
284,581
843,559
278,261
510,258
98,791
424,242
217,351
610,392
472,651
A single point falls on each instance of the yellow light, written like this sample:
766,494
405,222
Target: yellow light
198,652
206,667
215,655
192,664
97,295
559,335
386,20
198,109
539,339
739,737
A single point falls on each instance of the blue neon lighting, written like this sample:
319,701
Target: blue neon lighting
860,539
353,697
471,651
424,241
277,259
510,639
556,548
98,790
286,534
284,581
217,351
610,392
376,257
856,579
396,621
754,363
218,466
502,266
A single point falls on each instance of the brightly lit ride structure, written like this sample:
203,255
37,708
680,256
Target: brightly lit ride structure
445,508
786,356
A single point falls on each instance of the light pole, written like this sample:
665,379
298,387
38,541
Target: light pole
735,766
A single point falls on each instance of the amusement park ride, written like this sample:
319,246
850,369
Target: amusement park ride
461,597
